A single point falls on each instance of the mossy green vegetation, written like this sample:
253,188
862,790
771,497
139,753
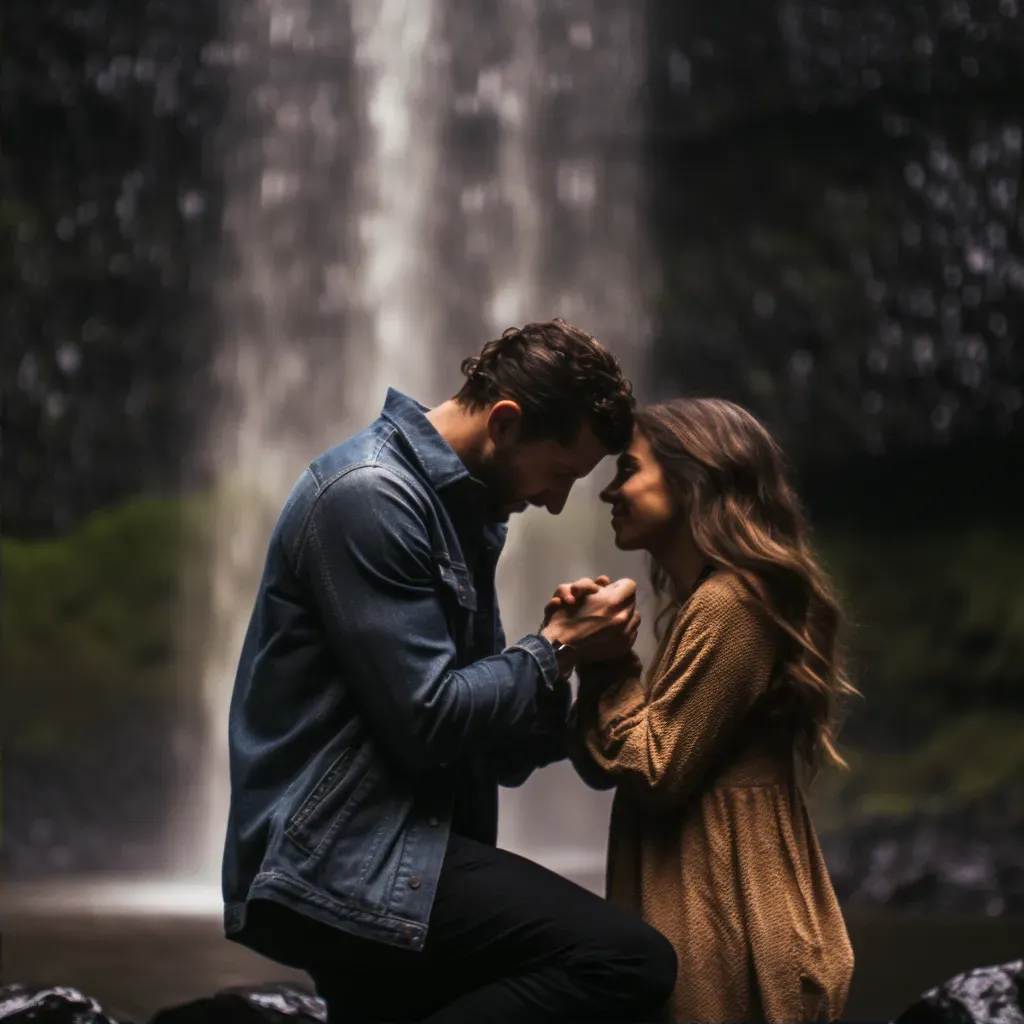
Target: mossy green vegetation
90,620
937,619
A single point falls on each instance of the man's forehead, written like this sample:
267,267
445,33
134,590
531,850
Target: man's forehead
585,452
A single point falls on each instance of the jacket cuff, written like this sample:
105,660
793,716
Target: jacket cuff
540,649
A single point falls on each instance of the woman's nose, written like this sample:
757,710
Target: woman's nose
608,494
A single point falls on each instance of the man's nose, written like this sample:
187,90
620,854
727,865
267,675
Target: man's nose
556,498
554,505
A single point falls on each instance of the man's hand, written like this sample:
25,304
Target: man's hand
597,618
567,594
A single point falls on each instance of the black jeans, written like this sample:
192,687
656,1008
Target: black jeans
508,941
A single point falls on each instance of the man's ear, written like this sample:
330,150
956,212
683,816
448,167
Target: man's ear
503,423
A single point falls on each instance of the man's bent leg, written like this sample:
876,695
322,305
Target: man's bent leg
535,946
508,941
362,982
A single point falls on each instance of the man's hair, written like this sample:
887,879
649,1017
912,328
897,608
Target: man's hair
560,377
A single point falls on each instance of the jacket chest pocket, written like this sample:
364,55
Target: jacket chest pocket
459,597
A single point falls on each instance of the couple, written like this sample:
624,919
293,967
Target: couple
378,707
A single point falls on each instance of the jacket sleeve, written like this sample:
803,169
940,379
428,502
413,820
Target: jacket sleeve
548,740
657,741
377,588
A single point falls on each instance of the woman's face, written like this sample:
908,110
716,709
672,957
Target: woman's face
644,515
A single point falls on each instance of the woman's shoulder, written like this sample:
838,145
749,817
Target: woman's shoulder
723,599
724,590
722,614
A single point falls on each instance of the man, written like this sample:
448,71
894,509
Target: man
376,710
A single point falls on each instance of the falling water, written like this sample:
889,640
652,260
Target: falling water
404,180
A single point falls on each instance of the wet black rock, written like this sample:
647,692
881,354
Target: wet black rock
986,995
958,863
274,1003
50,1004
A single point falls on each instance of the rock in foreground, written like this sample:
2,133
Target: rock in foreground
49,1004
986,995
274,1003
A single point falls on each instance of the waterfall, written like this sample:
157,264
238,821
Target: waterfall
405,179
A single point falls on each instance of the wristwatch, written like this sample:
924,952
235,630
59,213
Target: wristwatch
565,655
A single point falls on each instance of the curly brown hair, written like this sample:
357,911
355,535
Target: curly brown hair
729,479
560,377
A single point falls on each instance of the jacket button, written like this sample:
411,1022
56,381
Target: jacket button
414,882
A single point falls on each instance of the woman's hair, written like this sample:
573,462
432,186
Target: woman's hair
728,477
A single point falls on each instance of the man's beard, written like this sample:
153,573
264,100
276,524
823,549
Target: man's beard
500,478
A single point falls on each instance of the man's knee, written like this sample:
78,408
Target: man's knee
633,968
657,976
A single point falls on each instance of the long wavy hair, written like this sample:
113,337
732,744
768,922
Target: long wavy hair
728,478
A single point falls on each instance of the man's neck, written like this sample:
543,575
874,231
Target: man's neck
463,431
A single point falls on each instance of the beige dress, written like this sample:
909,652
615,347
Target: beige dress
710,839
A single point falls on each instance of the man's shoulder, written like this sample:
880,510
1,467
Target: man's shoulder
362,482
369,485
361,473
367,505
366,463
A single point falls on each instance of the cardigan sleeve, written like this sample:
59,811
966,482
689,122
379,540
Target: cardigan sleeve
594,678
656,741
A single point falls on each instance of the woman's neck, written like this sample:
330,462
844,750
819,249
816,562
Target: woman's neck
683,564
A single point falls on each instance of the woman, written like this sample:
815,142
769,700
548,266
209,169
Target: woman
710,839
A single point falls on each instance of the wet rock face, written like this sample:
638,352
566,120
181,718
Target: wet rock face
274,1003
50,1004
930,865
986,995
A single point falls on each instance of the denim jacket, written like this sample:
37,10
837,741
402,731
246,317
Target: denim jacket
374,701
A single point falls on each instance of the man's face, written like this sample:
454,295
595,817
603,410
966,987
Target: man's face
541,473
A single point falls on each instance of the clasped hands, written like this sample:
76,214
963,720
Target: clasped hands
596,617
